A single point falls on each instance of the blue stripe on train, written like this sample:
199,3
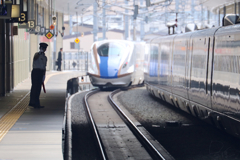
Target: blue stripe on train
108,67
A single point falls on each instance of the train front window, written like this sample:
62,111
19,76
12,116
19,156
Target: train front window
110,49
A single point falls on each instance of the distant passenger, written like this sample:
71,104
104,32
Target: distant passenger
38,75
59,60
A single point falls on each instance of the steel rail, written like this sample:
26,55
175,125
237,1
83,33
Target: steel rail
100,145
147,144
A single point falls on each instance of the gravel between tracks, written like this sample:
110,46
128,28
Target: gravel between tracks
189,139
83,144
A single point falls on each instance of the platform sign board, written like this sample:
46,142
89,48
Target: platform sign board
49,35
77,40
43,31
49,30
5,11
29,24
31,30
15,11
38,29
23,17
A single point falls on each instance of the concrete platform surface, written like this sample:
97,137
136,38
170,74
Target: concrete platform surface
37,135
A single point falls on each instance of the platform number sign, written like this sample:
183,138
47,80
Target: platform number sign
23,17
29,24
38,29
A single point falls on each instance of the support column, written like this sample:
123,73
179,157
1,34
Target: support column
95,22
104,19
219,21
126,22
8,58
178,15
192,11
238,8
142,25
134,29
201,16
70,25
208,16
2,58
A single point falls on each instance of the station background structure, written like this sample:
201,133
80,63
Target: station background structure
16,51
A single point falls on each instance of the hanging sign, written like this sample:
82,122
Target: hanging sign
77,40
38,29
31,30
49,35
5,11
22,19
15,11
52,27
29,24
43,31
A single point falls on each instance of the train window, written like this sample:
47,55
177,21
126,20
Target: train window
103,50
112,49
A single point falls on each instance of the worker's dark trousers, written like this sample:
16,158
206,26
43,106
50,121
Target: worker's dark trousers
36,77
59,65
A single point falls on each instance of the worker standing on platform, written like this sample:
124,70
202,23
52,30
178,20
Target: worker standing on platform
59,60
38,75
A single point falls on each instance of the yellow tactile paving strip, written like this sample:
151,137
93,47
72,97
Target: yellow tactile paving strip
11,117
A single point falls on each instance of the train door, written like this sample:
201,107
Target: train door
208,89
199,70
189,64
226,78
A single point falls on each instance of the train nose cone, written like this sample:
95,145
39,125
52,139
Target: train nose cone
108,67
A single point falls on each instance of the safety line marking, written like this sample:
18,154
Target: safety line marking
11,117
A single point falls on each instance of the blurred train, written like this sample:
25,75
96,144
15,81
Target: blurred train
199,72
116,63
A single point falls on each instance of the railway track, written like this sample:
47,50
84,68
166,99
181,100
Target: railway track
115,136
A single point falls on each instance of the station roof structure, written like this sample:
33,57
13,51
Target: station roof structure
83,6
215,4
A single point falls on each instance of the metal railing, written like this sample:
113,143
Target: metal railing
73,61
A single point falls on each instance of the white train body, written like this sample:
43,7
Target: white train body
116,63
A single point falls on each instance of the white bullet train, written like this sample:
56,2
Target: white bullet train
199,73
116,63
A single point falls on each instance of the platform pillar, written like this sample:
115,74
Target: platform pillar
2,59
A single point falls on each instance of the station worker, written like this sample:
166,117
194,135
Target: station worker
59,60
38,75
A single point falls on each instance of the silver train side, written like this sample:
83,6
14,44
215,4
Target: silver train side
198,72
116,63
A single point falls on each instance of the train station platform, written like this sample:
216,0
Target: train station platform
27,133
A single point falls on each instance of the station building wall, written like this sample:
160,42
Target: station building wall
17,51
87,40
20,56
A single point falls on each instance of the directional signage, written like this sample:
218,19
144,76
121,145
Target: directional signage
49,35
31,30
77,40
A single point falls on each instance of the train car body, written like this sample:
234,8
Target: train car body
198,72
116,63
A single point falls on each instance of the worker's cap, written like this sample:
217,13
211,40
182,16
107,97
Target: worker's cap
43,45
